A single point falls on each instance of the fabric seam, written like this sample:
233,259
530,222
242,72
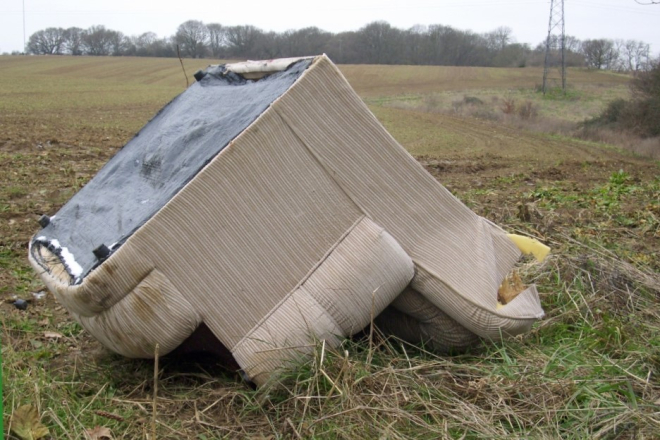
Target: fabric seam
302,281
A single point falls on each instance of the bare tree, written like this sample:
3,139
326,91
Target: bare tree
47,41
73,40
118,42
343,48
635,55
438,44
306,41
192,37
512,55
97,40
644,112
600,53
216,39
380,42
572,44
499,38
165,47
414,47
453,47
144,43
573,55
377,43
242,40
268,45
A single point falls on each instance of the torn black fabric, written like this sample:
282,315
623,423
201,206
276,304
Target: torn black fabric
153,166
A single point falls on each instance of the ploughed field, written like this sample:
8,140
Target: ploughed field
590,368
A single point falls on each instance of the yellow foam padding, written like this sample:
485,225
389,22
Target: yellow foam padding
529,245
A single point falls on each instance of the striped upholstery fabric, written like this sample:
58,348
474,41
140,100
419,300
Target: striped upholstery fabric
310,220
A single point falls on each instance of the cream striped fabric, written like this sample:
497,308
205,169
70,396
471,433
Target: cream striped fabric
154,312
415,319
365,271
463,257
309,221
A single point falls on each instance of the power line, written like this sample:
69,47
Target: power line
610,7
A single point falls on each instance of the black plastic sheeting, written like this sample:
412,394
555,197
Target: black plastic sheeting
153,166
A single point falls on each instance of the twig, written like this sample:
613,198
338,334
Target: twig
295,431
413,418
371,328
334,385
94,398
640,379
73,416
182,68
131,402
406,353
181,434
153,415
344,363
57,420
211,425
109,415
285,348
322,354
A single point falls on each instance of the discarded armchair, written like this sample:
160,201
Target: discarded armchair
267,202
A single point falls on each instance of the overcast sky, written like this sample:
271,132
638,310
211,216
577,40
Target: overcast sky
528,19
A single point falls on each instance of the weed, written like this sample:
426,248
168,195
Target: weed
557,94
553,113
619,179
508,106
472,100
432,102
609,195
16,192
527,110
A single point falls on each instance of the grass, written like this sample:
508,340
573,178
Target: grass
374,82
531,111
579,103
588,370
513,98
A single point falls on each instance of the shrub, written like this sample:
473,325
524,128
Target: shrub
646,115
472,100
487,114
646,85
613,111
527,110
508,106
642,115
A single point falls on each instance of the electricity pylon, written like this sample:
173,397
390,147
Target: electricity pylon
554,44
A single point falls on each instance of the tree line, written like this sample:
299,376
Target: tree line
375,43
